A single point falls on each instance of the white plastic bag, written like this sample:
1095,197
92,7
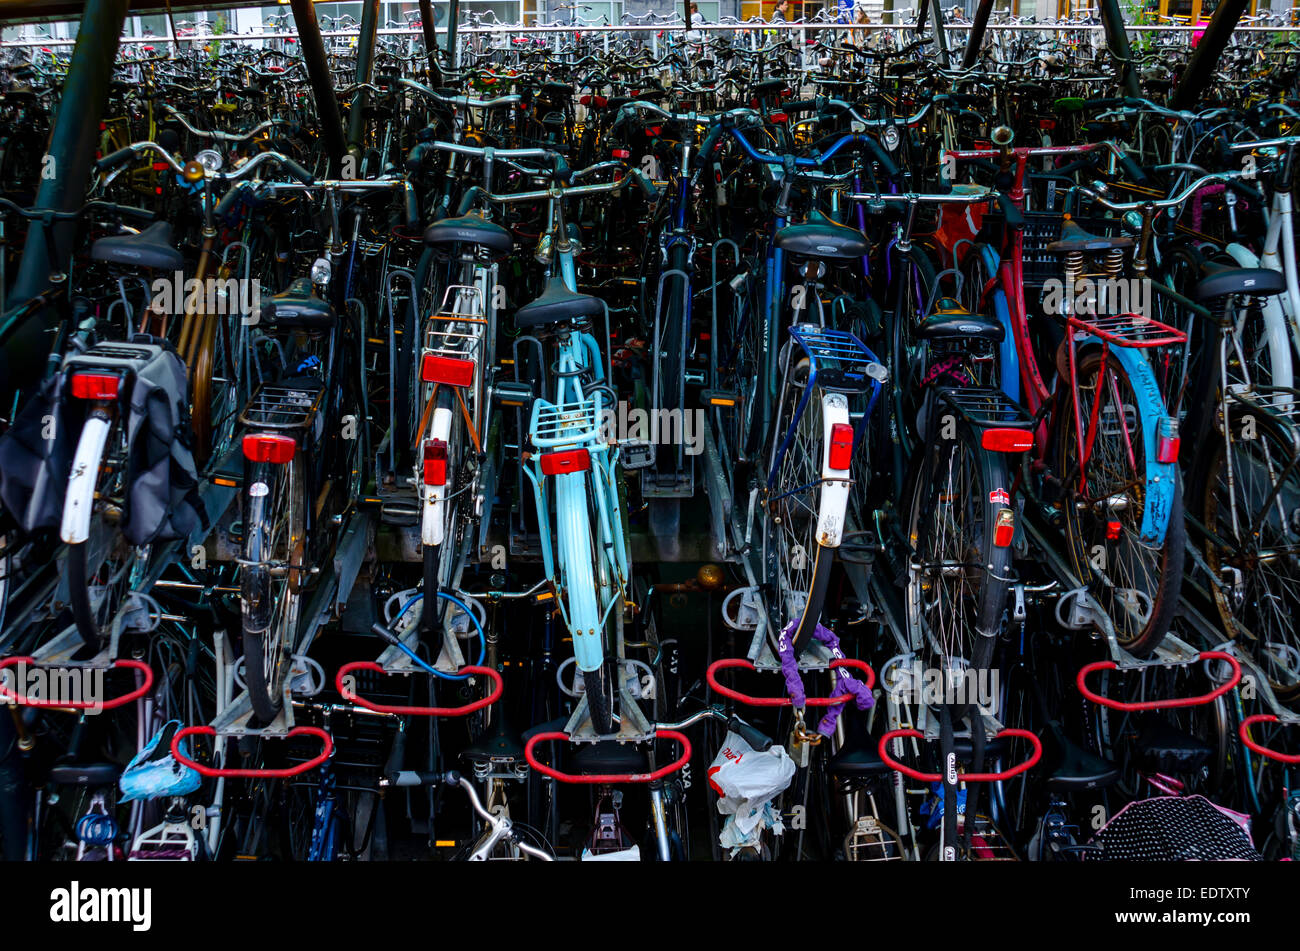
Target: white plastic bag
747,782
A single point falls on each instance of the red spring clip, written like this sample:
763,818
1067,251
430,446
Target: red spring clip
135,694
352,697
1016,770
1159,704
729,662
659,773
1244,732
212,771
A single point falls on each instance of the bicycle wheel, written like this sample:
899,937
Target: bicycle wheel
272,579
1252,492
957,589
914,277
1135,582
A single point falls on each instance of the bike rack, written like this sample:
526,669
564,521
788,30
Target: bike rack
883,750
116,702
1243,731
1169,704
469,708
739,662
287,772
658,774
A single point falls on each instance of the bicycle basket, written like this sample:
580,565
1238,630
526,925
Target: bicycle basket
1173,829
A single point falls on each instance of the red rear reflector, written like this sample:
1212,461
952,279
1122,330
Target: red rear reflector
1004,530
570,460
449,370
1113,529
841,452
1007,440
584,100
654,131
95,386
269,447
621,154
1168,445
435,462
779,118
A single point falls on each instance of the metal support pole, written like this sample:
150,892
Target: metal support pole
977,28
322,83
25,343
1200,68
940,35
453,15
1117,42
365,65
430,41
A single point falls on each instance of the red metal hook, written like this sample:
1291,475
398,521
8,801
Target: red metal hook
1160,704
252,773
1244,732
729,662
469,708
135,694
1016,770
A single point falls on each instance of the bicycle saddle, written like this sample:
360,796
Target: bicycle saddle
558,304
1163,748
298,308
950,321
1078,768
605,758
151,248
470,229
857,761
501,745
1074,238
1224,281
821,238
85,774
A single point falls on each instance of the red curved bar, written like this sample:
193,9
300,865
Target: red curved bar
469,708
1016,770
1160,704
1244,732
252,773
135,694
659,773
729,662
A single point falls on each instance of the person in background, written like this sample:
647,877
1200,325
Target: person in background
695,34
781,13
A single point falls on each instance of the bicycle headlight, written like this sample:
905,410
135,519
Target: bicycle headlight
321,271
890,137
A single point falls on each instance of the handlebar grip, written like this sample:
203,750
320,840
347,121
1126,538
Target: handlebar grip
467,200
647,186
562,171
415,157
410,206
297,171
231,199
117,158
1241,188
1013,216
413,777
1132,169
755,737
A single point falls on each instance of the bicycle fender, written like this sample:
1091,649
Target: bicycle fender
1162,477
1008,356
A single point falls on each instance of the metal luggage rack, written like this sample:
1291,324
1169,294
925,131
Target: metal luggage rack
556,424
128,355
282,407
1129,330
985,407
442,339
839,360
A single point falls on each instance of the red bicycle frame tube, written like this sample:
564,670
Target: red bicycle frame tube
1159,704
212,771
907,771
729,662
493,697
1244,732
135,694
658,774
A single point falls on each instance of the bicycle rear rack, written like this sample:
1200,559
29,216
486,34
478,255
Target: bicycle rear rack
565,424
1128,330
451,355
839,360
727,663
984,408
349,694
282,407
606,778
